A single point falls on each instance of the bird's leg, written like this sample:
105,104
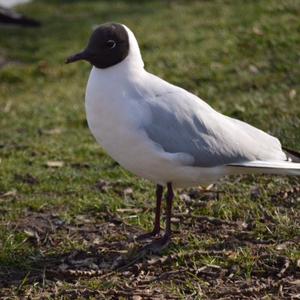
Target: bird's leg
159,244
170,197
156,228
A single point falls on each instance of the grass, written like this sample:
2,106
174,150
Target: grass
242,57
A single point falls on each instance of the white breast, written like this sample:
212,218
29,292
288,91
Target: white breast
115,114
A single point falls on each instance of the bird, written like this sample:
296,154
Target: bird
163,133
10,17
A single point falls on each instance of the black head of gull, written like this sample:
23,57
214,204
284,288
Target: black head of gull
108,46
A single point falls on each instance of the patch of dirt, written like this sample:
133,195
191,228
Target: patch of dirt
27,178
105,253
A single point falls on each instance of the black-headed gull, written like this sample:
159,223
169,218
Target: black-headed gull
10,17
163,133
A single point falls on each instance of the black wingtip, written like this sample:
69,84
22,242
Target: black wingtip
292,155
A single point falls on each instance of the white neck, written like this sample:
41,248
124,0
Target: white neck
134,57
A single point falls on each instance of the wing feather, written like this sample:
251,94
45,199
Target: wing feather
180,122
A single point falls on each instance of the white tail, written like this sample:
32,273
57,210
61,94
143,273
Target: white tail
267,167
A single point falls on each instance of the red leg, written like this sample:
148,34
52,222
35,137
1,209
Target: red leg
159,244
156,228
170,197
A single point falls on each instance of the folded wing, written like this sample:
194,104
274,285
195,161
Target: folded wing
182,123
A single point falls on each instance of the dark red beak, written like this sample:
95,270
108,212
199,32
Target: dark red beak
79,56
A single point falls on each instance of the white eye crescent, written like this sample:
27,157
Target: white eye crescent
111,44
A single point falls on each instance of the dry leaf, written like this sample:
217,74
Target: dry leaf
296,282
30,232
281,246
11,193
257,30
83,218
175,220
185,197
128,192
253,69
54,164
7,107
53,131
129,210
292,94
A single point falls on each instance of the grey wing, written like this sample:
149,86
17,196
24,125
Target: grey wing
183,123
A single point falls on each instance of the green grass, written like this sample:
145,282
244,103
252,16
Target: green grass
242,57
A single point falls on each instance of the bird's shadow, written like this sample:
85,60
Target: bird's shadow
109,246
100,244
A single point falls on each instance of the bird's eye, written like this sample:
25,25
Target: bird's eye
111,44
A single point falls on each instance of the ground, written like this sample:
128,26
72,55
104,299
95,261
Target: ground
69,212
